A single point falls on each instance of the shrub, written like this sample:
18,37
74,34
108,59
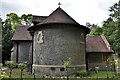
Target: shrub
66,65
97,69
22,66
4,76
82,73
10,65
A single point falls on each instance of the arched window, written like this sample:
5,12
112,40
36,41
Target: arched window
39,37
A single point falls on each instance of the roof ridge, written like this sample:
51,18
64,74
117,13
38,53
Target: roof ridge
105,41
59,16
47,20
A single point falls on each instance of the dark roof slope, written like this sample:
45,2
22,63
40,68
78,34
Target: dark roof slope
93,43
21,33
97,44
37,19
59,16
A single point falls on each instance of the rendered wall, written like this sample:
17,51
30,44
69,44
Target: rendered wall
97,59
24,49
60,42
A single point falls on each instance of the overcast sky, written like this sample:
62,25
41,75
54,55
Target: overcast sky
93,11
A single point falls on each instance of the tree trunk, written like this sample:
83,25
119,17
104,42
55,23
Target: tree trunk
10,76
21,74
34,74
97,75
67,74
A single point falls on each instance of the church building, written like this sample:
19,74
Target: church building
56,38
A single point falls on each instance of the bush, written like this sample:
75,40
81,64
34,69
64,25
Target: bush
10,65
83,73
4,76
22,66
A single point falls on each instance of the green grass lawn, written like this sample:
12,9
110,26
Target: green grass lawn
102,75
16,74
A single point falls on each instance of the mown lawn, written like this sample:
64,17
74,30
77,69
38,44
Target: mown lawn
27,76
16,74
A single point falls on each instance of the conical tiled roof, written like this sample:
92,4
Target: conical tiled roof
59,16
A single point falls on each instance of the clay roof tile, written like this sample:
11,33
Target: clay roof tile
97,44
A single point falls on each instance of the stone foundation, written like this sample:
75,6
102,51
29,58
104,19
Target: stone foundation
55,70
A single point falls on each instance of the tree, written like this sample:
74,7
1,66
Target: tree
95,29
111,27
10,65
26,19
7,33
22,66
0,40
14,20
0,31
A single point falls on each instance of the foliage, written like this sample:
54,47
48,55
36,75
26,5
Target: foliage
7,33
95,29
110,64
4,76
22,66
102,74
0,31
96,70
13,19
26,19
92,76
67,63
10,65
82,73
110,27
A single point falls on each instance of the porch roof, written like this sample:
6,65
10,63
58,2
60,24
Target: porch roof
97,44
21,34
